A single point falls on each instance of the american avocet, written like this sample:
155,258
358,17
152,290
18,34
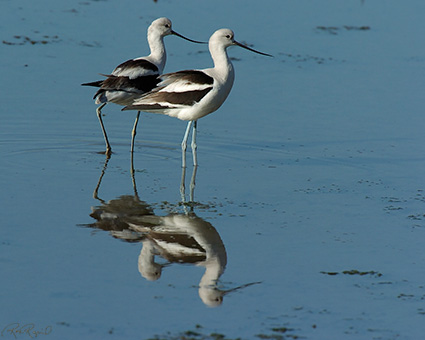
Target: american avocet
193,94
135,76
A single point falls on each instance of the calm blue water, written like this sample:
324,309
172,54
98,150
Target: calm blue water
310,192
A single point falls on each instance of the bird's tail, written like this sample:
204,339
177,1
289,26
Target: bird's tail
95,83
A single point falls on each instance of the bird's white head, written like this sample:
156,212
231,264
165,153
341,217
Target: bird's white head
222,37
225,37
163,27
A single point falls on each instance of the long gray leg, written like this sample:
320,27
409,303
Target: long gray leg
133,132
194,146
192,190
99,115
184,143
192,185
183,186
133,177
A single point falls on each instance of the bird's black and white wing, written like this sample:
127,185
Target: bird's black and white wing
127,80
175,91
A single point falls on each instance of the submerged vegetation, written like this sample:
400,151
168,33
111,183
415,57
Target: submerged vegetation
335,30
353,272
276,333
25,40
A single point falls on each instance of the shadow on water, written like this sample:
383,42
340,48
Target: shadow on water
177,238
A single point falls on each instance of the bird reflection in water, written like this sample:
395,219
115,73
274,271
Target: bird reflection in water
182,238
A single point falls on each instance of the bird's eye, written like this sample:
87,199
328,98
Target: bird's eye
167,25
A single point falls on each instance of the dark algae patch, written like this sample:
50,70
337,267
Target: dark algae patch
276,333
353,272
279,333
336,29
25,40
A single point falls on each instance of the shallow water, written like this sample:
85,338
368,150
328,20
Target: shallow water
309,197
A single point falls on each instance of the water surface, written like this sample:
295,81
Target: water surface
308,218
